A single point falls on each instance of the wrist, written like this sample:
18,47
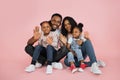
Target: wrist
35,39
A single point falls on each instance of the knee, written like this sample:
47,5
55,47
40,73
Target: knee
87,41
38,47
66,62
64,48
70,54
49,47
77,50
28,48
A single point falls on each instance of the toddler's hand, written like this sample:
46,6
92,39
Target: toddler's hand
79,42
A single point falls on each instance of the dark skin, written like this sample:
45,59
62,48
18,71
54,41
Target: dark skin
76,33
35,37
36,34
56,22
68,28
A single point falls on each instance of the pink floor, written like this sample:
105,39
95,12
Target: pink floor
101,18
13,69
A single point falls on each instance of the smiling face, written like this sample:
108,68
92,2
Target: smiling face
45,27
56,22
76,33
67,26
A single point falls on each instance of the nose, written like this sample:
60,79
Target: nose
68,26
55,23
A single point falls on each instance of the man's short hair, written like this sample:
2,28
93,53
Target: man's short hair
57,14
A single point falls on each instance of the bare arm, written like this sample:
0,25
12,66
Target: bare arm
31,41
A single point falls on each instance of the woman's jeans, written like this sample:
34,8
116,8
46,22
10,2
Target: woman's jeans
87,50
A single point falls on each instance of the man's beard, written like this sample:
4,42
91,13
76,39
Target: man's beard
54,27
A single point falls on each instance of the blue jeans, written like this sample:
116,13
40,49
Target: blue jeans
51,52
87,50
78,55
37,52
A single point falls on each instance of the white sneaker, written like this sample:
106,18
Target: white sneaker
38,65
74,70
30,68
80,70
57,65
49,69
95,69
101,63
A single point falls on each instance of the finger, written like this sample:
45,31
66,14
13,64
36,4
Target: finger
40,33
51,38
47,39
61,35
37,29
86,32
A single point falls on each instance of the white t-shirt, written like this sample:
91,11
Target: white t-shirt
42,40
80,38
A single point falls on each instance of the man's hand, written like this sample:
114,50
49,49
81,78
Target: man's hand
49,40
36,33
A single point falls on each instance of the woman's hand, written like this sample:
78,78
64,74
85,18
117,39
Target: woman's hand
63,39
86,35
36,33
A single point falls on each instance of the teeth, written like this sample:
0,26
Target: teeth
54,26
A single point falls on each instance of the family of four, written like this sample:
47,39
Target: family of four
55,43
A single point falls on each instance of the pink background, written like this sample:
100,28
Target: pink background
18,18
